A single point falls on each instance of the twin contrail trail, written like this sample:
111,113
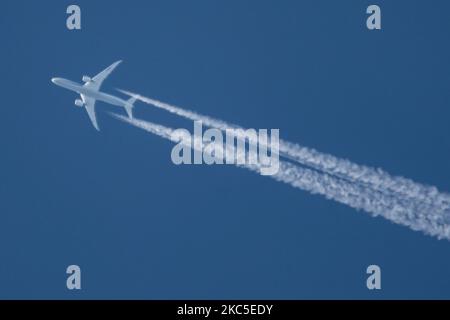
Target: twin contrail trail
418,215
373,178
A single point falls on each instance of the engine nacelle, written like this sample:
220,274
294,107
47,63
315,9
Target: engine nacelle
79,103
86,79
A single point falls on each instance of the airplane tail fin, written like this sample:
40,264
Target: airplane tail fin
129,106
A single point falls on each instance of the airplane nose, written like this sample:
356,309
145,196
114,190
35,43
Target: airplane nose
55,80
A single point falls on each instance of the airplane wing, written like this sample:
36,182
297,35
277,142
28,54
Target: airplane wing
97,81
89,104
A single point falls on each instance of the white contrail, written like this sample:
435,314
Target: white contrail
343,168
418,217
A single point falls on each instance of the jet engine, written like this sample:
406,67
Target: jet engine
86,79
79,103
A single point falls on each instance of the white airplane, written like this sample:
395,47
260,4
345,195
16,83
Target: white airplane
90,92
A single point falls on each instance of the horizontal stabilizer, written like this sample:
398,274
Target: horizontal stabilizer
129,106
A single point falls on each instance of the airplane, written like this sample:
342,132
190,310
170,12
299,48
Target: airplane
90,93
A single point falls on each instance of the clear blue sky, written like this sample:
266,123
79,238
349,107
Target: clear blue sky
141,227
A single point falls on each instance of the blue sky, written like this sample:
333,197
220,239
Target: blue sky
143,228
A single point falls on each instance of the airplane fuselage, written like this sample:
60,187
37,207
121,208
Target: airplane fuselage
97,95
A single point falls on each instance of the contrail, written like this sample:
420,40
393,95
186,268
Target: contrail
374,178
416,216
